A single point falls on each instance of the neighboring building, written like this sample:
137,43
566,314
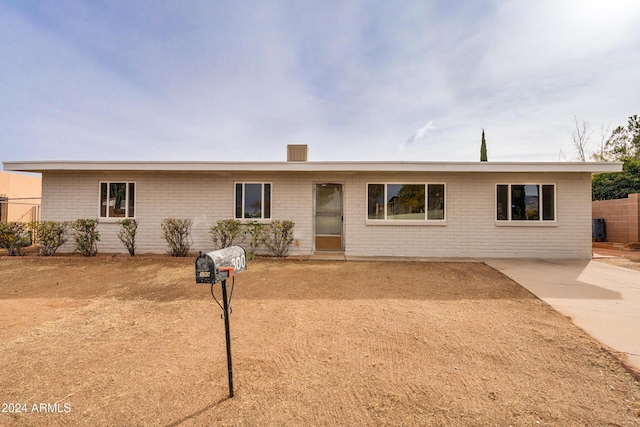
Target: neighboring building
19,197
418,209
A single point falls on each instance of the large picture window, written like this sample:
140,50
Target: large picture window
525,202
117,199
408,202
253,200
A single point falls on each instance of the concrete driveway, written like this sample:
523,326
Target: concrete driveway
602,299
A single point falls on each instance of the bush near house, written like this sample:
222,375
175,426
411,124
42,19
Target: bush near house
51,235
127,234
254,231
226,232
278,237
86,236
177,233
14,236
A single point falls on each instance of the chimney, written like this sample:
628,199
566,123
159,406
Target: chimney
297,152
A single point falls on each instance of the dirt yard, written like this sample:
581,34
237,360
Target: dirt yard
632,263
121,341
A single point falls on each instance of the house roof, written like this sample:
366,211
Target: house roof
56,165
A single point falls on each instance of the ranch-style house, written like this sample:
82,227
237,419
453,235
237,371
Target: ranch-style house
359,209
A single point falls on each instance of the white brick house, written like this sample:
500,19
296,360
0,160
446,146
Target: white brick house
420,209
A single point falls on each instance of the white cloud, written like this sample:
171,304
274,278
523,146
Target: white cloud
420,133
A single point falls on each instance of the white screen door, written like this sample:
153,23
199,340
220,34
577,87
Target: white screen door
329,217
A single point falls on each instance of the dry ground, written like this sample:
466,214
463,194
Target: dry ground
120,341
632,263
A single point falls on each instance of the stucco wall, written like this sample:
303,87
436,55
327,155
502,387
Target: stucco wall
470,229
19,185
23,192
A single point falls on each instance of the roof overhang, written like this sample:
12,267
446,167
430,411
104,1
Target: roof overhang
484,167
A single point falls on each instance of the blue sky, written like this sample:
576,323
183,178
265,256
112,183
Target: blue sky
356,80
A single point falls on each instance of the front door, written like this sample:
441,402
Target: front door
329,217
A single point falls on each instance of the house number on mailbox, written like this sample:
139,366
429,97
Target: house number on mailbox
239,262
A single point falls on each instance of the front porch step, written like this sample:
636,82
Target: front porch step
328,256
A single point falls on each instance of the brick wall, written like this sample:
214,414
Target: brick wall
621,217
205,198
470,229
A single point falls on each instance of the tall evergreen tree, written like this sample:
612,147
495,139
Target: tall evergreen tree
483,149
623,144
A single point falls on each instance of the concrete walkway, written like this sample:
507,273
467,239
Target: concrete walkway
602,299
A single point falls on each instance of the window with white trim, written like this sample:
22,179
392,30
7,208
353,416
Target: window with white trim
408,202
117,199
253,200
525,202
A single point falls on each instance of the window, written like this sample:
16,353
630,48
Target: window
405,202
117,199
253,200
525,202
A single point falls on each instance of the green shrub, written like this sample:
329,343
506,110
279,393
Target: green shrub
177,234
225,233
127,234
13,237
51,235
278,237
254,230
86,236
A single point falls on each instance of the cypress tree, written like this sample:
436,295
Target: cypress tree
483,149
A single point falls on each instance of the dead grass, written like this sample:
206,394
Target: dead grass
136,342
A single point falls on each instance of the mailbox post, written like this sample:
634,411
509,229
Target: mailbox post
218,266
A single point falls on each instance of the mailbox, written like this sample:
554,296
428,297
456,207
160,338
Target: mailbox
216,266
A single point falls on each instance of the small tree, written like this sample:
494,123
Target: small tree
177,233
599,155
51,235
13,237
581,136
483,149
127,234
278,237
225,233
86,236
